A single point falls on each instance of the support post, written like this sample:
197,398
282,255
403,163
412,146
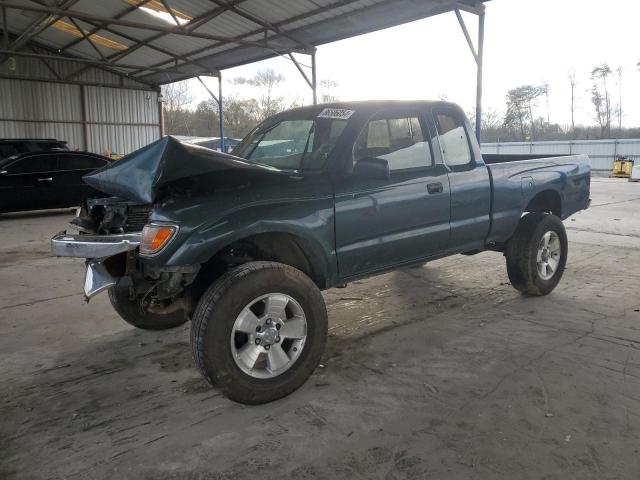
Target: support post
479,75
83,117
5,29
220,112
160,112
313,77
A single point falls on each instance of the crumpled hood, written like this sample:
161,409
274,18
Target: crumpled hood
141,175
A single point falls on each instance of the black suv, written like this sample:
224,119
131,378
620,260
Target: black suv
15,146
44,174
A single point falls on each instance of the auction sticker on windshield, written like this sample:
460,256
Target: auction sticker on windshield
338,113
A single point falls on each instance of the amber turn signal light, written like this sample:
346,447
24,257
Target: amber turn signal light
155,237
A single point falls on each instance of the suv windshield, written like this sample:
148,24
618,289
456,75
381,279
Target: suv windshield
292,144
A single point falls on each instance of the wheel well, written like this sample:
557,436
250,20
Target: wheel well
273,246
546,201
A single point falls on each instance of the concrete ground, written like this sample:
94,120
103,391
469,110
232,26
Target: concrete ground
442,371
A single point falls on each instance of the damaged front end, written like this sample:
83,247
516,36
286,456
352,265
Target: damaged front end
117,235
112,233
113,259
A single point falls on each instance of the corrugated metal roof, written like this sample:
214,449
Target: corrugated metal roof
221,33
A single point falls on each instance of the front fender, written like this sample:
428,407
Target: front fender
309,219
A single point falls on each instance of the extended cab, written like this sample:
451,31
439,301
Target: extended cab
312,198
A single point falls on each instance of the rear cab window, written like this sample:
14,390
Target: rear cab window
398,137
453,139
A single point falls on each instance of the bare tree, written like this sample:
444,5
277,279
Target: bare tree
175,98
601,99
619,109
573,83
267,81
240,115
491,120
328,89
545,90
520,103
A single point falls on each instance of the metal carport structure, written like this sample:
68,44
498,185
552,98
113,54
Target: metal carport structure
154,42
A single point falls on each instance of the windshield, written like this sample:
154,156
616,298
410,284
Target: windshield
292,144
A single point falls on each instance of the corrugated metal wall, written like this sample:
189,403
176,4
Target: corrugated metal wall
601,152
96,110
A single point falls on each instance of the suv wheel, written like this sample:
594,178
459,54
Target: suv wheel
537,254
259,331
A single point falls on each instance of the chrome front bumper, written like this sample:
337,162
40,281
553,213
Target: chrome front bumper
93,246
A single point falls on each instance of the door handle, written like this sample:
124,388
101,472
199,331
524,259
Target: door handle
434,187
50,179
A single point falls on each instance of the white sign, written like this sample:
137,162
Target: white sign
339,113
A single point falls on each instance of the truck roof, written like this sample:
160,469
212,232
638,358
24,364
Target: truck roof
371,106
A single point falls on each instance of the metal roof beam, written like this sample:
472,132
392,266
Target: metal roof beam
463,26
262,23
125,23
38,26
192,25
97,63
48,66
97,28
304,75
254,32
476,8
173,15
51,54
217,100
211,14
87,38
138,43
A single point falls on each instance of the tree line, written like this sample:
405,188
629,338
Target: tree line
523,121
240,114
525,118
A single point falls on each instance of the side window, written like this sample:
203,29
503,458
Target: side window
8,149
35,164
453,139
80,162
397,138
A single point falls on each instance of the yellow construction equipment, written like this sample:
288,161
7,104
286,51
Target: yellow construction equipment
622,167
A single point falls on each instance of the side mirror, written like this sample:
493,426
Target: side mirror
376,168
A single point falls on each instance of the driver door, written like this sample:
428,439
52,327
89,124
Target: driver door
382,223
28,183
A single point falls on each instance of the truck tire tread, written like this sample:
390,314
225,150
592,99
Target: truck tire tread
235,384
521,252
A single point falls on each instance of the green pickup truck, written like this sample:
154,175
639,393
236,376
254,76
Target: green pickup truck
311,199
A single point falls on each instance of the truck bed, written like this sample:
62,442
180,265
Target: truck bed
519,180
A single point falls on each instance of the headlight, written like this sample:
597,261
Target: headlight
156,237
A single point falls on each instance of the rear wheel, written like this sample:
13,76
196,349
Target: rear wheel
537,253
154,317
259,331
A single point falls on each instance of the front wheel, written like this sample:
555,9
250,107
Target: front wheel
134,313
537,254
259,331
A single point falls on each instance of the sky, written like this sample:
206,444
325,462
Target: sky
526,42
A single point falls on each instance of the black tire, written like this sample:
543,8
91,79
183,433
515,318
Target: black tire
522,249
132,312
217,311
